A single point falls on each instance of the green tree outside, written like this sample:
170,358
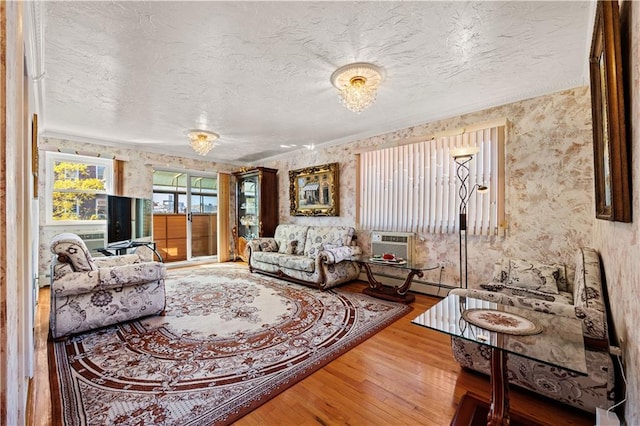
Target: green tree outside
76,192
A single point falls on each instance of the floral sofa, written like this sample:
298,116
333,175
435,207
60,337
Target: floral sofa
312,255
88,293
545,288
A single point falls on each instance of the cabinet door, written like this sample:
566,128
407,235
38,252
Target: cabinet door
269,214
248,206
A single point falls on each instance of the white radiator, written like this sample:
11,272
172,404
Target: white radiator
398,243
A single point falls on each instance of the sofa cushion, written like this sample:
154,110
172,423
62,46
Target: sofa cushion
299,263
287,232
533,276
266,257
289,261
319,236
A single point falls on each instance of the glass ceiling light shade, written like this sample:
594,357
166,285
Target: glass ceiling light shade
357,85
202,140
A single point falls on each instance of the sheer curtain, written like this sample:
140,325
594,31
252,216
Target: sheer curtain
414,187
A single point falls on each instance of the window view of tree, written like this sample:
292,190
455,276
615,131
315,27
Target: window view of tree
79,191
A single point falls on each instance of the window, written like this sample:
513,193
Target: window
77,188
170,193
415,188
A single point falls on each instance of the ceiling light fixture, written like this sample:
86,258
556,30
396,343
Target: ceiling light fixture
357,84
202,140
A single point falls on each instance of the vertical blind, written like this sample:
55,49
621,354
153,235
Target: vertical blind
414,187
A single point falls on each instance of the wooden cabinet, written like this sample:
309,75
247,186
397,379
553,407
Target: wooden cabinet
256,205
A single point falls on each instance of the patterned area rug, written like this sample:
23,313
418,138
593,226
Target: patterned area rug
230,341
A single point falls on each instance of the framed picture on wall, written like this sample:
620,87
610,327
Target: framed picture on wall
611,166
313,191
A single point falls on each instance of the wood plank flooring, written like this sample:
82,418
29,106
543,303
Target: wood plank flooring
403,375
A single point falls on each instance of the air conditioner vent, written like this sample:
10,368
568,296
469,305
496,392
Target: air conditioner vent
395,238
398,243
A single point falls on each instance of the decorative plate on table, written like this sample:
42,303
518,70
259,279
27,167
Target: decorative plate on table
501,321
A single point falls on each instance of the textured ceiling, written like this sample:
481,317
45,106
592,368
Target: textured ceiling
143,73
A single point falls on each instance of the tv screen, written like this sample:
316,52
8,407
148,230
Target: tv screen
128,219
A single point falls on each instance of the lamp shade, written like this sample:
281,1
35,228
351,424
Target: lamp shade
465,151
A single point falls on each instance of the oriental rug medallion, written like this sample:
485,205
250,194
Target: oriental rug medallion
230,341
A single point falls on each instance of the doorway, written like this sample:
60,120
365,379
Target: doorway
185,215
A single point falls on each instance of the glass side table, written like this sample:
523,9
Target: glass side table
551,339
395,293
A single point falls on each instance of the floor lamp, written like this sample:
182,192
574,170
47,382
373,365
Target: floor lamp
462,157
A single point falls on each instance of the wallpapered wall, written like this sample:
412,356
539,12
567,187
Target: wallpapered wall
618,242
138,181
549,184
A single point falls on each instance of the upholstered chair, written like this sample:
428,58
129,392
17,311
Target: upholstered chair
89,293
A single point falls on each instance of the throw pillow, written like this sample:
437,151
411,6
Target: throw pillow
533,276
501,271
291,247
268,245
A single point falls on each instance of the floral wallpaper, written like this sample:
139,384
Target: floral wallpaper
618,243
549,186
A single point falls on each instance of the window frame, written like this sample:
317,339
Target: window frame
51,159
177,193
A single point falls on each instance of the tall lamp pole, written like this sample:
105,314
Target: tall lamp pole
462,157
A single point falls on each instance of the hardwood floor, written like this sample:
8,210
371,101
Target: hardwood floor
403,375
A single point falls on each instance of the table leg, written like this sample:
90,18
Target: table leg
395,293
499,410
407,283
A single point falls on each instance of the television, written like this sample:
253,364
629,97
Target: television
128,219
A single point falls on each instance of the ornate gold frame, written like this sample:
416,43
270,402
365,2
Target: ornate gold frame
611,166
313,191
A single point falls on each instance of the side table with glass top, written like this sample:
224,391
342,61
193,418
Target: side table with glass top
547,338
392,293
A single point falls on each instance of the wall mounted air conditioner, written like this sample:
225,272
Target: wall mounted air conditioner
398,243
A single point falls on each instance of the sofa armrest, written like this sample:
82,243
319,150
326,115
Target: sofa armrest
136,273
587,287
338,254
74,283
593,322
122,260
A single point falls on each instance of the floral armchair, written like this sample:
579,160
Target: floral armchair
88,292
